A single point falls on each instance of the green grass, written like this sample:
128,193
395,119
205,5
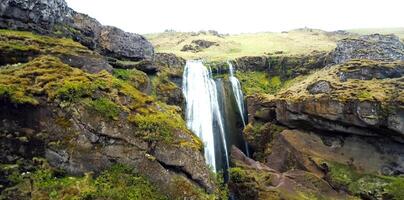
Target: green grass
365,184
233,46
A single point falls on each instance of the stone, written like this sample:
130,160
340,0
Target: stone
169,60
123,45
54,17
320,87
372,47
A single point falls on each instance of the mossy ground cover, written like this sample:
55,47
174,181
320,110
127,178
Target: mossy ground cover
118,182
381,90
365,185
254,82
26,41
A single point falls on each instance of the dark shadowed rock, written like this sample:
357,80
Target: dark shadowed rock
294,149
252,63
368,70
123,45
38,15
373,47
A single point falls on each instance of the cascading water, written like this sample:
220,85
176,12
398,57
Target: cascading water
203,115
213,110
238,95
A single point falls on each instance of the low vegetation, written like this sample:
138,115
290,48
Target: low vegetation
233,46
365,185
47,79
382,90
119,182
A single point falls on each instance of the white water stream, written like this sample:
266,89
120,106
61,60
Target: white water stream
202,108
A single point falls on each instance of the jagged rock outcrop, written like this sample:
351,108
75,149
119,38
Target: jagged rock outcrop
123,45
253,180
373,47
54,17
347,123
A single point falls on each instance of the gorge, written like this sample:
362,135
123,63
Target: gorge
89,111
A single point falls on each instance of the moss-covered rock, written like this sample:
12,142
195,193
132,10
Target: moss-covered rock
20,47
253,180
83,122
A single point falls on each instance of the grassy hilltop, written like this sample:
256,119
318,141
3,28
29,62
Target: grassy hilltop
293,42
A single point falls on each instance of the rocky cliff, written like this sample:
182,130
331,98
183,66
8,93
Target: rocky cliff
55,18
342,124
85,114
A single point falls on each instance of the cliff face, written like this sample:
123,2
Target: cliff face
55,18
342,124
83,104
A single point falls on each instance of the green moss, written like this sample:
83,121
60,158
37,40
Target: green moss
365,95
368,185
254,82
134,77
27,41
105,107
395,188
156,126
238,175
118,182
186,190
275,81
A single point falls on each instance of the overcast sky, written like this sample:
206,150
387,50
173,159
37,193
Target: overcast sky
241,16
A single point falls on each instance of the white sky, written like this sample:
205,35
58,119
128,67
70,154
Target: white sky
241,16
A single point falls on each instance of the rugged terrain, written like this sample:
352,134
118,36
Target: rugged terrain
93,112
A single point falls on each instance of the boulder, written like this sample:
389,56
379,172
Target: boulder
123,45
169,60
320,87
372,47
54,17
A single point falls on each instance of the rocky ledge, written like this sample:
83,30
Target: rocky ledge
341,125
55,18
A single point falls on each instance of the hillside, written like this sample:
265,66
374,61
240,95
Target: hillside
223,47
249,44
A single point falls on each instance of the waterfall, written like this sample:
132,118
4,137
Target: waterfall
203,115
238,95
